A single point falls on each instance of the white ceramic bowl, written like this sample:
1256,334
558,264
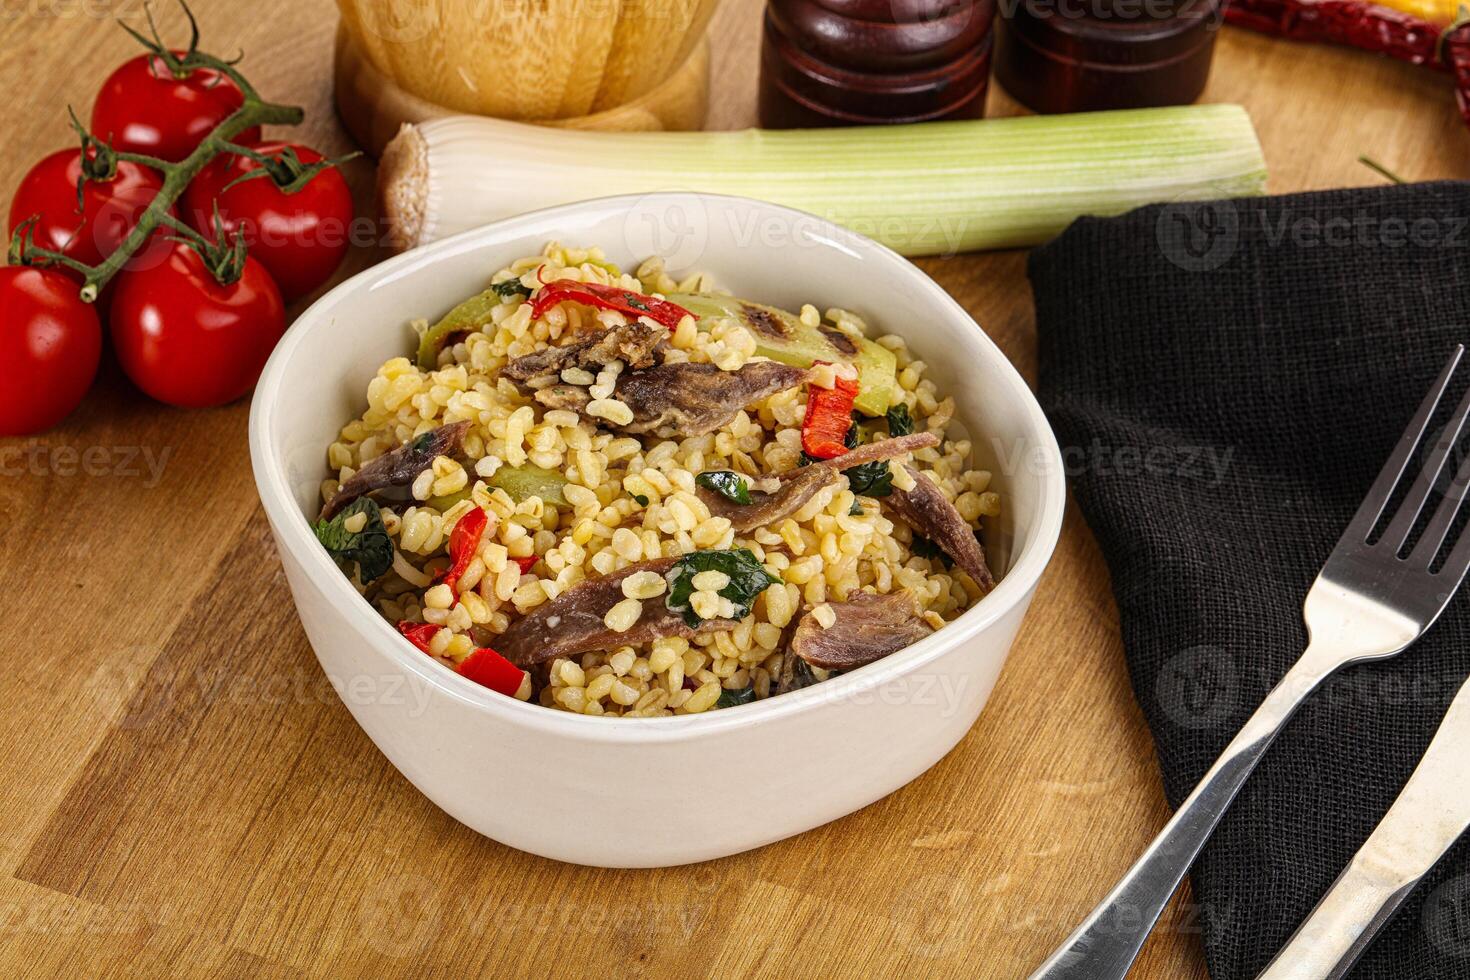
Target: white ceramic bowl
658,791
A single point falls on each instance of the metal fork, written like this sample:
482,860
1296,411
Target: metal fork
1368,603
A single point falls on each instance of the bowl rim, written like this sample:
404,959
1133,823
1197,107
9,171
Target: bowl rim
294,534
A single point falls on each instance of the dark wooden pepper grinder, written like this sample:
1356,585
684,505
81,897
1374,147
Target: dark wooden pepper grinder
860,62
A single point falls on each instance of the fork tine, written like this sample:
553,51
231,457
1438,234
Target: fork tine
1377,497
1444,516
1398,529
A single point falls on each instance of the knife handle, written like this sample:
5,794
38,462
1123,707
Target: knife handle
1428,817
1342,925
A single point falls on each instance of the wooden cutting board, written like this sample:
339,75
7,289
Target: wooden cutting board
182,794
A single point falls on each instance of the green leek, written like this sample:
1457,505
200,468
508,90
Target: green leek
924,189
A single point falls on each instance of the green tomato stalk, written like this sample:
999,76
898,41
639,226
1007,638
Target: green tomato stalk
225,259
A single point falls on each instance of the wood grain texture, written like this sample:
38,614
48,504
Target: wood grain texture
183,795
552,59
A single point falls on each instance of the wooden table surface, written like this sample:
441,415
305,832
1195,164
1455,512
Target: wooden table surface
182,793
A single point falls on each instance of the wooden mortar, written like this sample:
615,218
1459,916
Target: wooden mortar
587,64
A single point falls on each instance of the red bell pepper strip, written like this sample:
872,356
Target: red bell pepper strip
828,417
624,301
489,669
483,666
464,544
526,562
419,634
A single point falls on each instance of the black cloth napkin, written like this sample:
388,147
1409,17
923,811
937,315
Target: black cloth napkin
1226,380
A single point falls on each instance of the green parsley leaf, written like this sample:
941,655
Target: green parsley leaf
900,422
748,579
642,500
370,548
729,698
922,547
727,484
876,479
873,479
512,287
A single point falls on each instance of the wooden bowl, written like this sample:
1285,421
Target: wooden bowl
373,107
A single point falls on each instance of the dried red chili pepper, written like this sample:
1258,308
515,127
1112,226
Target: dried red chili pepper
1350,22
464,544
526,562
624,301
489,669
1456,52
828,417
1367,26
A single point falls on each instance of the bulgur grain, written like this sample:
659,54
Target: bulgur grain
631,499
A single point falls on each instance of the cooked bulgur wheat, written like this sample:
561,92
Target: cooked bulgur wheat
824,551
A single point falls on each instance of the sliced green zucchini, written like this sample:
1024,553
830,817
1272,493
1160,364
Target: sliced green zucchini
523,482
472,314
782,336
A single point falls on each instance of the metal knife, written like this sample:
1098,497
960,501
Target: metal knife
1428,817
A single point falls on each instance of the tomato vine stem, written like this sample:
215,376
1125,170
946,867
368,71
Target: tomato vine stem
254,111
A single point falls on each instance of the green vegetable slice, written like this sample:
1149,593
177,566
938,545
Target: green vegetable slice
782,336
524,482
371,548
727,484
447,501
748,579
730,698
469,315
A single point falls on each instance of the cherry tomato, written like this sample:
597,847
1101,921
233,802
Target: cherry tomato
300,238
144,108
110,208
50,343
189,341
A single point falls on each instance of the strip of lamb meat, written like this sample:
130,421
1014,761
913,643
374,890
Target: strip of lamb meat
572,623
926,510
633,343
868,627
399,467
688,399
802,484
795,672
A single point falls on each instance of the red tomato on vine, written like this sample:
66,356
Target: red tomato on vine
110,206
188,339
299,232
50,344
147,106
